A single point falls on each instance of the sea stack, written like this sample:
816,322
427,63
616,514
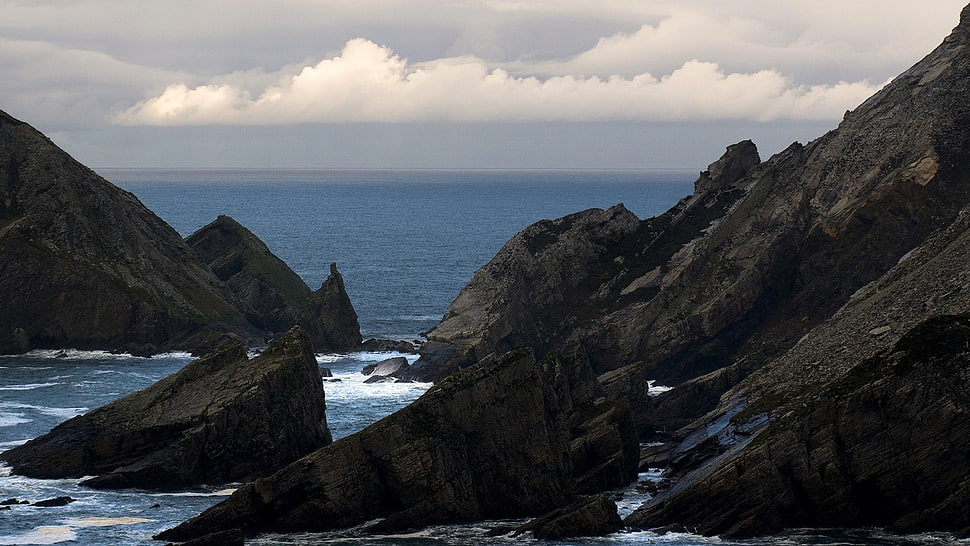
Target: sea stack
329,318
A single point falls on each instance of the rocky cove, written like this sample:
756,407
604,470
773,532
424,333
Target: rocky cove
809,311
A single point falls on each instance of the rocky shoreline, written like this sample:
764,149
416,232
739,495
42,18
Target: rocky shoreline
810,312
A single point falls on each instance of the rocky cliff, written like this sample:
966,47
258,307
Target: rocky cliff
222,418
737,273
329,317
512,438
86,265
272,292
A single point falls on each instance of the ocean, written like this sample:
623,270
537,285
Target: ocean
406,241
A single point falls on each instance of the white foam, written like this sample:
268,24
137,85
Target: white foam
45,534
27,387
60,413
12,419
656,390
106,522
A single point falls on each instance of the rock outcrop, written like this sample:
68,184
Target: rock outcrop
329,317
511,438
391,367
86,265
736,274
272,292
222,418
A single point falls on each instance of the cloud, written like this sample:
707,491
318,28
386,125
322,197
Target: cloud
367,82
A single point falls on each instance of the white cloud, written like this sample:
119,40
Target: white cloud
369,83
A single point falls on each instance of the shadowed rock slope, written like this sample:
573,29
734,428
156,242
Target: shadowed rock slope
266,285
86,265
512,438
734,275
222,418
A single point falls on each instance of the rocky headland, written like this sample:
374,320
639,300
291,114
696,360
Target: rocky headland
222,418
87,266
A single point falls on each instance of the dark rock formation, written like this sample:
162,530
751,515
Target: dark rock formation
271,290
863,421
588,516
389,345
329,318
86,265
737,273
507,439
222,418
391,367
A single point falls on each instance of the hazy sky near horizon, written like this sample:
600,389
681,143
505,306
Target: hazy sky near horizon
461,83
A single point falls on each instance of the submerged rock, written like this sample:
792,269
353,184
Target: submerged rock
495,441
222,418
329,318
272,292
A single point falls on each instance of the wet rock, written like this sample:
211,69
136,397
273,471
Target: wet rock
329,318
389,346
58,501
391,367
326,372
222,418
590,516
489,443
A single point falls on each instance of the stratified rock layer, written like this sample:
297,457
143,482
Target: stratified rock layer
271,290
86,265
222,418
507,439
329,318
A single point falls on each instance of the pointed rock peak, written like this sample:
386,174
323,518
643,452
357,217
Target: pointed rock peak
734,165
329,317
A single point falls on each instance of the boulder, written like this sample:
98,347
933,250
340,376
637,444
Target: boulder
86,265
222,418
391,367
491,442
271,291
329,318
588,516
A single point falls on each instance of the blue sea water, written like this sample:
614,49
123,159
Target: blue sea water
405,242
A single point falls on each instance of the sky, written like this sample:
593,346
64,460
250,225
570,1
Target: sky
448,84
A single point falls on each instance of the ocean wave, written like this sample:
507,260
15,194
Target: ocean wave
62,413
106,522
13,419
27,387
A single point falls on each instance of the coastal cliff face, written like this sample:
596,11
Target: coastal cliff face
271,290
86,265
222,418
514,438
737,273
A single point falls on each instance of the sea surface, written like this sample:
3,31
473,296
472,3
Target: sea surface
405,241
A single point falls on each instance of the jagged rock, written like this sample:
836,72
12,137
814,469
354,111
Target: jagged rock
326,372
589,516
863,421
883,445
271,290
739,272
222,418
391,367
491,442
329,317
389,346
86,265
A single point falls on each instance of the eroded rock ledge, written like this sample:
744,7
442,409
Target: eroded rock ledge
509,439
222,418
